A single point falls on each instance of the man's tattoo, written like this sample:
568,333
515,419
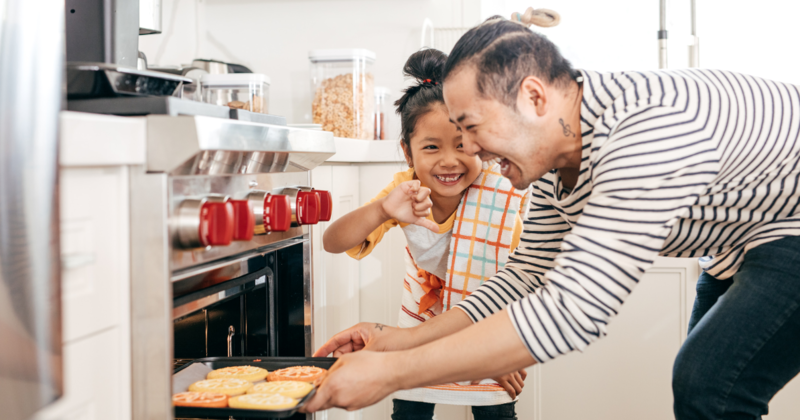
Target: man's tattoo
567,130
379,326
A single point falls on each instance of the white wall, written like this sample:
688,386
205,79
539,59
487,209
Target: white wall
745,36
596,35
756,38
274,37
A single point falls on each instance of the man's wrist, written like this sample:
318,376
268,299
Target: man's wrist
400,364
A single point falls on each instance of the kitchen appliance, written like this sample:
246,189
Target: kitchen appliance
31,76
103,57
221,248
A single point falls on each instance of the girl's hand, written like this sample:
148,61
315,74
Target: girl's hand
410,203
512,383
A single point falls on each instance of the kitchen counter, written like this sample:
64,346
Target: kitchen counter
100,140
96,140
367,151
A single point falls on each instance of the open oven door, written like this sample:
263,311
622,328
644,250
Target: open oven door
31,92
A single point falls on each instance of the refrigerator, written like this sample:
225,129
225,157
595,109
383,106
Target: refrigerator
31,96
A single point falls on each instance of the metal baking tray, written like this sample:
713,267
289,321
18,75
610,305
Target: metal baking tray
268,363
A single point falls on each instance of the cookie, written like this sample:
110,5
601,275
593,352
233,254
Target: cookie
248,373
262,402
227,386
297,373
294,389
200,399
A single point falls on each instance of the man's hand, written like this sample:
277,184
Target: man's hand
347,386
366,335
512,383
410,203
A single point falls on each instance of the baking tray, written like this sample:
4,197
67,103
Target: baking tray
179,384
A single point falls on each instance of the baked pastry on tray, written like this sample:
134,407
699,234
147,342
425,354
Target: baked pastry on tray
262,402
200,399
294,389
297,373
248,373
227,386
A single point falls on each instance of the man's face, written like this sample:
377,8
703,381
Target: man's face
492,129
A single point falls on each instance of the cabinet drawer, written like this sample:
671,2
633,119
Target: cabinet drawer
96,385
94,249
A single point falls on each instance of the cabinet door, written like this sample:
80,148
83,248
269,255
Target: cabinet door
95,376
628,374
94,249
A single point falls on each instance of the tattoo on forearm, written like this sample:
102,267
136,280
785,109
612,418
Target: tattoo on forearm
567,130
379,326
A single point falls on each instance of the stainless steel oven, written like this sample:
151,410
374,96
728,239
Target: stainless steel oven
220,246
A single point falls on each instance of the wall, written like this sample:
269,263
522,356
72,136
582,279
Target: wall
274,37
603,36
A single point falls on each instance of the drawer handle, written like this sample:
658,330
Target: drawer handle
73,261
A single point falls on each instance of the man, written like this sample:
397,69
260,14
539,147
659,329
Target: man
624,167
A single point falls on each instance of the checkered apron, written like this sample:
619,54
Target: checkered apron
479,247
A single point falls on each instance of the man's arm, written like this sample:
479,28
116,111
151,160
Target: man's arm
535,255
461,356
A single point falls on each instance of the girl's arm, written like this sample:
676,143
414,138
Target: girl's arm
353,228
408,203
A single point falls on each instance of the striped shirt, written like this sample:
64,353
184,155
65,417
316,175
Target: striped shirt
684,163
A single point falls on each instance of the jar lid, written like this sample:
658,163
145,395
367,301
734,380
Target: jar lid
233,79
341,55
381,91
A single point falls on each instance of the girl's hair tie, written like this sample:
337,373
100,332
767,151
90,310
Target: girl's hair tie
429,82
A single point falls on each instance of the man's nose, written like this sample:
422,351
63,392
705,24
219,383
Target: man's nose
469,145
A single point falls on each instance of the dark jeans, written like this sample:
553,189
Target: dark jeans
412,410
744,338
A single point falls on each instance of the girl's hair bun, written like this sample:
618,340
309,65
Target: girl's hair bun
425,65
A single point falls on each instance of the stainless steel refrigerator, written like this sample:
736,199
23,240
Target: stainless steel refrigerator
31,92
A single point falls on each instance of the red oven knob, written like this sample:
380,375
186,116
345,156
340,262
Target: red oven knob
307,209
277,213
243,220
216,223
325,205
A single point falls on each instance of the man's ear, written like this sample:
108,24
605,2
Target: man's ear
407,155
532,95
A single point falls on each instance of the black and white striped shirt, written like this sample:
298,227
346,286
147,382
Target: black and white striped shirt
684,163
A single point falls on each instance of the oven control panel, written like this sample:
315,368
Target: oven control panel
218,220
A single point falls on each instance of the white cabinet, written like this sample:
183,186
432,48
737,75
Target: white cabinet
95,295
627,374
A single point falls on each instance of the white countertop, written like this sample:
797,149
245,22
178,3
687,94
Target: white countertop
367,151
107,140
101,140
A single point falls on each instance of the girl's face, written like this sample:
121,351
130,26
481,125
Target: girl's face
437,157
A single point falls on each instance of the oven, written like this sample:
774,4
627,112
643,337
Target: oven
220,247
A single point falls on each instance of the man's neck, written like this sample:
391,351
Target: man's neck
572,153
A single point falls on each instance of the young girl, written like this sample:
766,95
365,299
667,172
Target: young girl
461,220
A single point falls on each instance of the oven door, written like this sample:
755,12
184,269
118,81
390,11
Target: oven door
252,307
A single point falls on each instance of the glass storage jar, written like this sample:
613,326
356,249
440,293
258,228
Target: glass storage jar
343,92
248,91
383,107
